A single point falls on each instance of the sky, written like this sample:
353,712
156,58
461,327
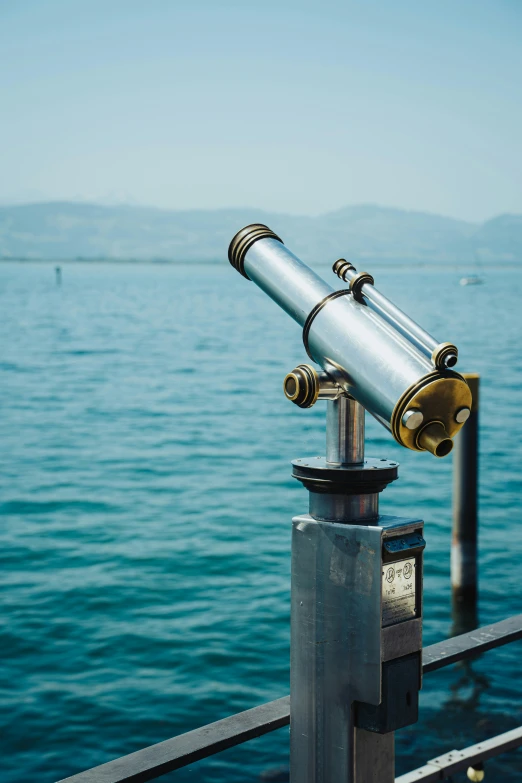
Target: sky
297,107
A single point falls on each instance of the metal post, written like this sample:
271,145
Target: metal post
465,486
338,642
332,744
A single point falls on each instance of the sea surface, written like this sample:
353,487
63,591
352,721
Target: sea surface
145,506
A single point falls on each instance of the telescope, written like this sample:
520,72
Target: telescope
357,575
366,346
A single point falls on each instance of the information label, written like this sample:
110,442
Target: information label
398,591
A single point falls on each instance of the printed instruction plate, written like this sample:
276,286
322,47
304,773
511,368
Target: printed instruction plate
398,591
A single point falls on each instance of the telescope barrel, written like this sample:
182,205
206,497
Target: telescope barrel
378,302
286,280
360,350
441,354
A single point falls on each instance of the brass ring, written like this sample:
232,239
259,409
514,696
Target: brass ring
357,282
243,241
342,266
441,353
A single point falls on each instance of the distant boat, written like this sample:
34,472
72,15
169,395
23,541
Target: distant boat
471,280
474,278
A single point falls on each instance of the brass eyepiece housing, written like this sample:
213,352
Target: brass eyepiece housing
438,396
434,438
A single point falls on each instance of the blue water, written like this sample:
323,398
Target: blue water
146,501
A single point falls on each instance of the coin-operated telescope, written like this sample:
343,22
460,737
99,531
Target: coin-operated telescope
367,346
356,606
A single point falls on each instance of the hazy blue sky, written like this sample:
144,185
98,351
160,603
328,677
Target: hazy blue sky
292,106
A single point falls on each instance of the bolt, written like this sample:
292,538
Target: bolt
412,419
462,415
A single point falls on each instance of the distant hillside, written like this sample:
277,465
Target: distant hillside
89,231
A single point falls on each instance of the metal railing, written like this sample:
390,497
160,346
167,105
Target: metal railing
443,767
157,760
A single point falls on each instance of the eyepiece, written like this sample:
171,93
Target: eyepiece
244,240
434,438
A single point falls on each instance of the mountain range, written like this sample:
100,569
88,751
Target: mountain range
68,230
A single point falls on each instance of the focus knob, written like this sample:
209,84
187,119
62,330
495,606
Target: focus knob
304,386
301,386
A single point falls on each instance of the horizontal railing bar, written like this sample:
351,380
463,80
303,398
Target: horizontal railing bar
468,645
447,765
172,754
157,760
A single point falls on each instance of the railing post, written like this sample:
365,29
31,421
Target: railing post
465,516
356,614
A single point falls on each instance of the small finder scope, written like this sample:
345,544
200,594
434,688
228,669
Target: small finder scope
367,347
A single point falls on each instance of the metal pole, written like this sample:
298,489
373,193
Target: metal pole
465,518
327,650
344,431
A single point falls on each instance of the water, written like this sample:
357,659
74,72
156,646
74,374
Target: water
145,506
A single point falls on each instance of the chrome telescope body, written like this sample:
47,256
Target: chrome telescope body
366,346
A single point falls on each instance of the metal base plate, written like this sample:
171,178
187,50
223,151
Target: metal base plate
369,477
